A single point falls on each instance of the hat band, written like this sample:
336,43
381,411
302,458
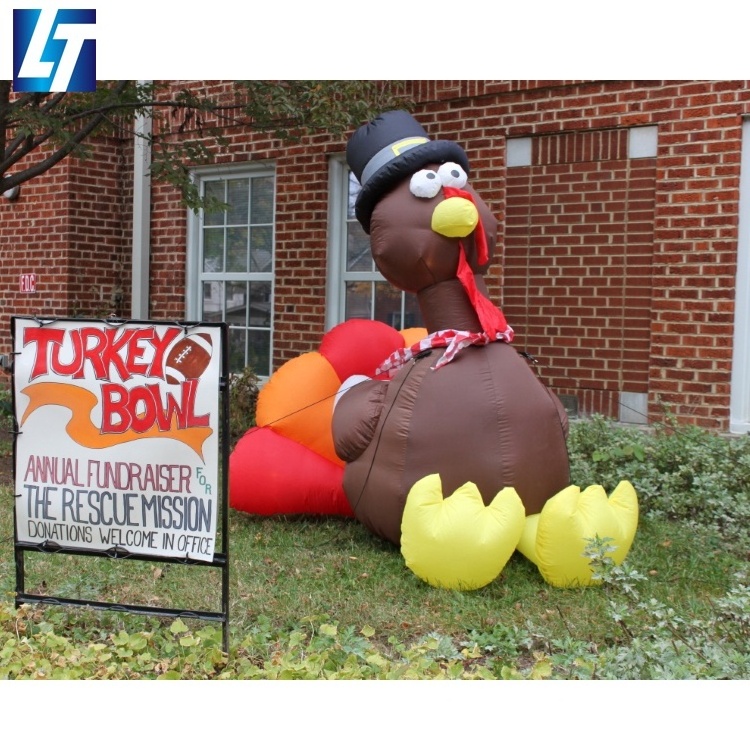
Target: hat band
387,154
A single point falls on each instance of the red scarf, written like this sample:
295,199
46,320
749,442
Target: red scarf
454,341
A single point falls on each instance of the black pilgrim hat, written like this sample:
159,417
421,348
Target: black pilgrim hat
388,148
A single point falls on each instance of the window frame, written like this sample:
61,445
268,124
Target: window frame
195,276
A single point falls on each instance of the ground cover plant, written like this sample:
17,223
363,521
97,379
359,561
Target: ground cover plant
324,599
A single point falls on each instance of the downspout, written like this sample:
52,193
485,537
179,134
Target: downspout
141,254
739,404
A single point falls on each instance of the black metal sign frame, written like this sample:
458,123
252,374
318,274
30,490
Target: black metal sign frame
221,555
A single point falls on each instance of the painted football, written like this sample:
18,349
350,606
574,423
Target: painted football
188,358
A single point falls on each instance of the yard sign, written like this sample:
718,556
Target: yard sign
118,442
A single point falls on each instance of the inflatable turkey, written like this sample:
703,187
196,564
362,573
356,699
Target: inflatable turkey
451,447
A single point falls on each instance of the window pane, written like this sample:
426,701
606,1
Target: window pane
262,201
260,304
214,190
237,249
236,303
358,302
259,352
412,313
237,339
213,250
238,199
358,256
261,249
212,301
387,304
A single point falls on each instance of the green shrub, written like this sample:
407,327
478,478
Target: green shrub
6,404
662,643
243,399
679,472
6,421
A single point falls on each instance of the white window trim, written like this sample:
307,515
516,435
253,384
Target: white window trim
739,409
337,172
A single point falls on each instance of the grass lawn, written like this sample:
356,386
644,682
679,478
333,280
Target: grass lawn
325,598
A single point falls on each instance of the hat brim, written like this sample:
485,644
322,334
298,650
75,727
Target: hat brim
406,164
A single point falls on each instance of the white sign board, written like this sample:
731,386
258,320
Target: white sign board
119,436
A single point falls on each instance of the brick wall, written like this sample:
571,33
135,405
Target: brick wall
68,228
99,215
34,239
75,235
578,253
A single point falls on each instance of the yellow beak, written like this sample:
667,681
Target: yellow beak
455,217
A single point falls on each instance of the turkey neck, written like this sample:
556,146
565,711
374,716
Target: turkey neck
445,305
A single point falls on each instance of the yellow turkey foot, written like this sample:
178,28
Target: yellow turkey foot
555,539
457,542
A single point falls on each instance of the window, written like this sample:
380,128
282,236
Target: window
231,264
356,289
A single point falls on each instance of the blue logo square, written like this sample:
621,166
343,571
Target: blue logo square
54,50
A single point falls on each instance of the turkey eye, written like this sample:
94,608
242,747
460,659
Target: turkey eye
452,175
425,184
